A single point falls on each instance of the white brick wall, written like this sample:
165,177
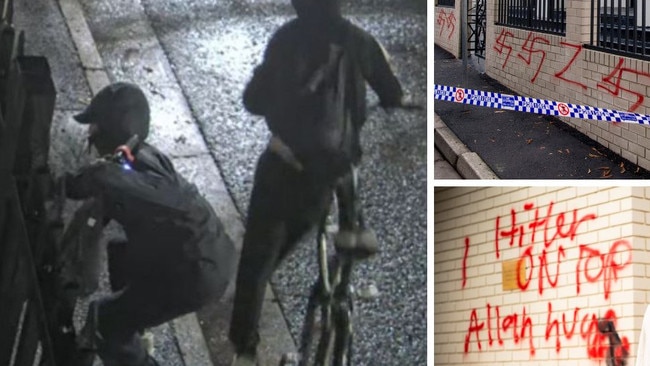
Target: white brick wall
447,28
543,66
615,258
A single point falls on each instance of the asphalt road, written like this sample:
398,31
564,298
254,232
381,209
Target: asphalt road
211,48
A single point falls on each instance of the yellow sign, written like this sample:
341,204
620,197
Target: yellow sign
509,274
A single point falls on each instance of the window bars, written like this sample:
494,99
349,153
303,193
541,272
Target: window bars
621,26
451,3
548,16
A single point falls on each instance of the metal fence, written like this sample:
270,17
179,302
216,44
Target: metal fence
621,26
27,97
476,19
548,16
450,3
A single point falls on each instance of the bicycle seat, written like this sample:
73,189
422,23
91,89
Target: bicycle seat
360,243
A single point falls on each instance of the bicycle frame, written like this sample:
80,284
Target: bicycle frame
336,309
333,294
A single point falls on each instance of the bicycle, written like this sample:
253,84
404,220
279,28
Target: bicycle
332,292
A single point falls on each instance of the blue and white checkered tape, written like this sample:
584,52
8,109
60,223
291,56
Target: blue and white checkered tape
533,105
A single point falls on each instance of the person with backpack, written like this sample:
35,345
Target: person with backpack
311,89
176,256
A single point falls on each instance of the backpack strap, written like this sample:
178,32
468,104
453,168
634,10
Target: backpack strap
324,72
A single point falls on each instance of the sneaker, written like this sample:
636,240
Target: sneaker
346,240
360,243
367,241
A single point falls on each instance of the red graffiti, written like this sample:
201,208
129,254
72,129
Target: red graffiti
569,334
551,229
441,21
446,21
489,324
542,240
529,254
560,74
617,76
521,327
451,23
500,42
543,268
465,261
608,268
612,82
474,327
529,47
509,323
597,343
550,324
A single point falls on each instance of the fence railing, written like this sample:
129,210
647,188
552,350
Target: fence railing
548,16
621,26
450,3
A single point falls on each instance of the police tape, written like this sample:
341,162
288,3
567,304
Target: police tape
532,105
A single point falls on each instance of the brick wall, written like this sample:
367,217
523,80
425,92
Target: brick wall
447,28
587,256
559,68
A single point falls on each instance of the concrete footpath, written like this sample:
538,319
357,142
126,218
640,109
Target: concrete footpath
57,29
515,145
453,159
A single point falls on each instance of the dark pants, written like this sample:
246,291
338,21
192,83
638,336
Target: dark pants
146,302
285,204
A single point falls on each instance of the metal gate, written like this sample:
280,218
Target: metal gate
476,23
27,98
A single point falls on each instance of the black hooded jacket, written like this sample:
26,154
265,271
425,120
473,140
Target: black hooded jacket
303,43
167,222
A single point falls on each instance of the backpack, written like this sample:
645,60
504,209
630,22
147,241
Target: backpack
78,255
317,114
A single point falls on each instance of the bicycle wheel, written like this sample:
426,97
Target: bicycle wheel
309,335
317,335
342,315
335,343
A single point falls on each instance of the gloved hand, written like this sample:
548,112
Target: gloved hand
408,102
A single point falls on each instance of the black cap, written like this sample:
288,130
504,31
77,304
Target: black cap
120,110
